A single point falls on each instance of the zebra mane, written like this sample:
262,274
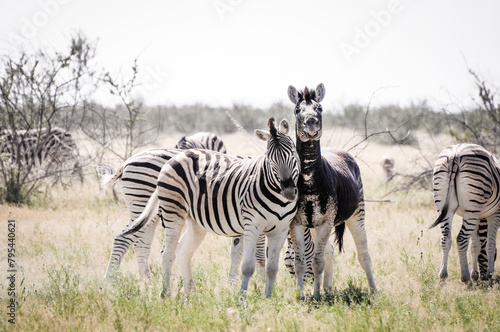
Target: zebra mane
307,95
272,127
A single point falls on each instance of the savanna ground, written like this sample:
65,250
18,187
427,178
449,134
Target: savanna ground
63,245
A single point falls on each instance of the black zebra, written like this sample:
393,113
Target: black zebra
227,196
467,178
331,195
54,149
139,175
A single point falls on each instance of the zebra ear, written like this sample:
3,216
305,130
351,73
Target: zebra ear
180,143
284,126
293,94
262,134
320,92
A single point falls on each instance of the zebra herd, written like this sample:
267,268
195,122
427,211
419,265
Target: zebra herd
296,189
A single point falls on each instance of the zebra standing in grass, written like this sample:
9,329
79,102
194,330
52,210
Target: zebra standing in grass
227,196
331,195
138,176
52,149
467,178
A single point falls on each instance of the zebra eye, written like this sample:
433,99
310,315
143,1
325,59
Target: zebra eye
297,110
319,109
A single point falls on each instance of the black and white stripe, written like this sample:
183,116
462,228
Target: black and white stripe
467,178
227,196
309,254
138,176
52,149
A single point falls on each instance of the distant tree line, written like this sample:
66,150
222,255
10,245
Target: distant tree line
53,94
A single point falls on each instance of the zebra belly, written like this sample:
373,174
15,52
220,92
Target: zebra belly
219,226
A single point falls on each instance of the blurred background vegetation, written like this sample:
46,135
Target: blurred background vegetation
43,91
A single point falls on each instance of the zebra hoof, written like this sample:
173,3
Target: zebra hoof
475,275
443,275
466,280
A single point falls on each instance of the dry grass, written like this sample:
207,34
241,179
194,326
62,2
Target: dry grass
63,250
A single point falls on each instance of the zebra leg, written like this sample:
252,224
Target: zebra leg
297,235
483,255
120,246
356,225
329,262
189,242
289,258
323,233
445,245
469,225
236,255
476,248
491,245
142,247
260,255
173,230
250,236
275,243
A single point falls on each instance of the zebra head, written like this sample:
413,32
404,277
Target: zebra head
308,111
282,157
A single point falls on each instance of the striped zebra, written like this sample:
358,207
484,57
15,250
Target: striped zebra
227,196
289,258
331,195
211,142
51,148
467,179
138,177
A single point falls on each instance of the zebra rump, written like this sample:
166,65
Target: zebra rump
466,179
138,177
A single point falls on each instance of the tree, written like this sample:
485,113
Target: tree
40,96
480,125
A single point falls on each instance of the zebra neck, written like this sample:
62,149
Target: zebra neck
267,175
310,162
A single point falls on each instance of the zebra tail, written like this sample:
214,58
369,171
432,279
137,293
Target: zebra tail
108,175
339,235
451,180
149,212
440,219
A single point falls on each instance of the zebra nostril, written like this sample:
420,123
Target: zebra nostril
312,122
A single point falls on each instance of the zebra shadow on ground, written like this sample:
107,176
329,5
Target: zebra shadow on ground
351,295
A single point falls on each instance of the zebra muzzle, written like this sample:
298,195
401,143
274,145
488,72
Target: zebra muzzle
289,190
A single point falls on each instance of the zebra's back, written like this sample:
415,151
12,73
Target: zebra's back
216,189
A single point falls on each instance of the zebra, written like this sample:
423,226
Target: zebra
51,148
289,258
138,177
466,179
206,141
330,195
387,164
227,196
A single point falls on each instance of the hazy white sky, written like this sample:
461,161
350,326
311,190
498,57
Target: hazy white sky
225,51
